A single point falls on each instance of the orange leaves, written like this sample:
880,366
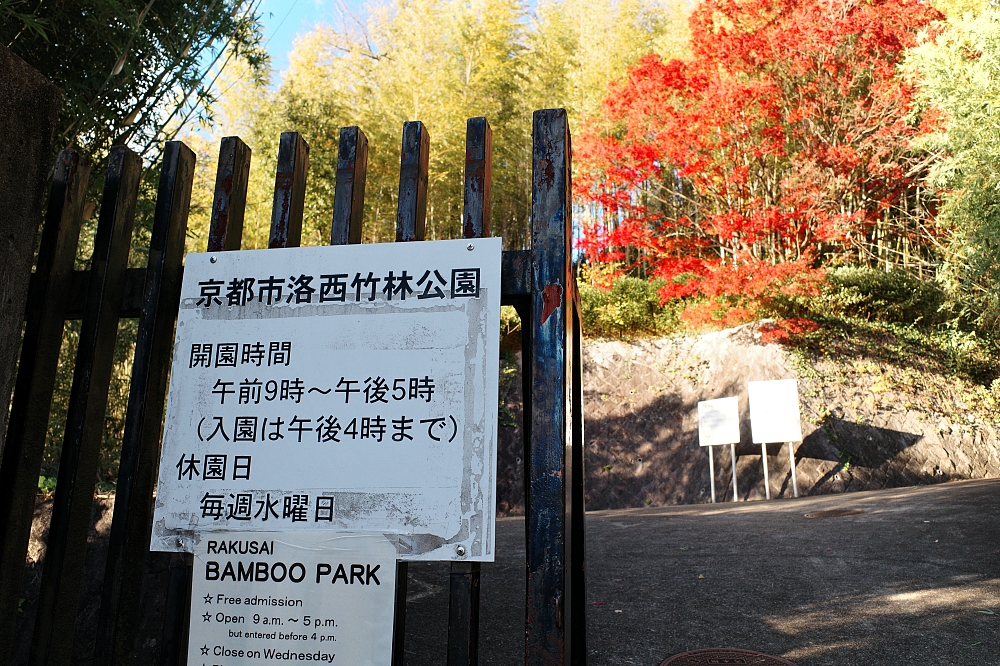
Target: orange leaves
788,134
783,329
712,315
757,282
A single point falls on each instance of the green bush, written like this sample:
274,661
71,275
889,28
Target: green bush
968,354
876,295
630,307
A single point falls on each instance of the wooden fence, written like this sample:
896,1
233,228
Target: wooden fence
538,282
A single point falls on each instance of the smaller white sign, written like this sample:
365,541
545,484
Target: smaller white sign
774,411
719,422
271,597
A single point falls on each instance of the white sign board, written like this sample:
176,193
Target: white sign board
719,422
309,597
347,388
774,411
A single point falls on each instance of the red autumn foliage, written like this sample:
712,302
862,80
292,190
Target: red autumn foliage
783,329
710,314
784,143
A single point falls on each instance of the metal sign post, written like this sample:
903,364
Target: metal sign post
791,461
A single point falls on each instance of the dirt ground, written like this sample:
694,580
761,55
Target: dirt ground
154,587
878,578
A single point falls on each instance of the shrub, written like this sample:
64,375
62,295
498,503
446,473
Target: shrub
968,354
630,307
894,296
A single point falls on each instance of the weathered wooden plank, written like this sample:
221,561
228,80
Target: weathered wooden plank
77,284
577,597
349,193
399,617
29,413
64,555
515,276
463,614
225,231
130,528
411,212
550,620
289,191
412,206
463,605
176,613
478,178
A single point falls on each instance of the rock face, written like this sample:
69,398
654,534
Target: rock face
641,418
864,426
29,104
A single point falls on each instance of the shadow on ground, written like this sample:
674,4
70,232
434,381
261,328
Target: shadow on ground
914,578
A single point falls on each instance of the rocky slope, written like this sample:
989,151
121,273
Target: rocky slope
867,422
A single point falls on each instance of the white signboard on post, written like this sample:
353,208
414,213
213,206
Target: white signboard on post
349,388
774,411
719,421
312,597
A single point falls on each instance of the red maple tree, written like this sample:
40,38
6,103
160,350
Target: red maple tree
784,143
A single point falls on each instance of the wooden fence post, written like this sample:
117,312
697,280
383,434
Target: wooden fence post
36,374
554,610
411,215
59,595
225,231
289,191
130,528
349,191
463,606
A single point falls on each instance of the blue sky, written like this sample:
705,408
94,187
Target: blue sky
285,19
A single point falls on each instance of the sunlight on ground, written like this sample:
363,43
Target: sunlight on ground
939,604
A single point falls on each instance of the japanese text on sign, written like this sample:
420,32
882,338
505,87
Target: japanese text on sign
334,288
336,388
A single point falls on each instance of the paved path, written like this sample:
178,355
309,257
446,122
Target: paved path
914,578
